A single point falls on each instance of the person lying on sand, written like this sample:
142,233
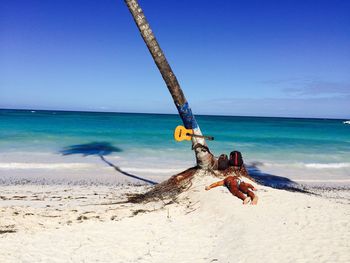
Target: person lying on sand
238,188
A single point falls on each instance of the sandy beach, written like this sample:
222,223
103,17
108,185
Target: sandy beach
59,223
118,119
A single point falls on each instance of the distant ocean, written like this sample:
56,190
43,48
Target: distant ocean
32,143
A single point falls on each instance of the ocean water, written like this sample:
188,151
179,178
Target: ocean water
33,143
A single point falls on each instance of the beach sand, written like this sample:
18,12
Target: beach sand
58,223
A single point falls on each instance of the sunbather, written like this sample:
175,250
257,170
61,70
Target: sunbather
238,188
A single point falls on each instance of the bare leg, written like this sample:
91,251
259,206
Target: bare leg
247,200
251,186
236,192
255,200
253,197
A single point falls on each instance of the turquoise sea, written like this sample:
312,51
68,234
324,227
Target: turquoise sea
32,143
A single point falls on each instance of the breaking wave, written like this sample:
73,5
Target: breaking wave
12,166
307,165
83,166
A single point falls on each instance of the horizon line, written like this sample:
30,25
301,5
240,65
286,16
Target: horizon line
157,113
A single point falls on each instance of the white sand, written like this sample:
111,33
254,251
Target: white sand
69,224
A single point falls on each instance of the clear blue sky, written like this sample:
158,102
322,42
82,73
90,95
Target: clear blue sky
257,58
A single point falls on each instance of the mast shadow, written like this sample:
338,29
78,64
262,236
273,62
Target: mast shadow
274,181
101,149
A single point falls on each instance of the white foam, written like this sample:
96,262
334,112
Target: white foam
153,170
309,165
323,181
83,166
15,166
327,165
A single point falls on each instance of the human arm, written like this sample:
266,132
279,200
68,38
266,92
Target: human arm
219,183
251,187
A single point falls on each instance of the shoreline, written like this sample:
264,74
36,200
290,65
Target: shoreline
53,168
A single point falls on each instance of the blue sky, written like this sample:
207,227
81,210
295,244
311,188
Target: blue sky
256,58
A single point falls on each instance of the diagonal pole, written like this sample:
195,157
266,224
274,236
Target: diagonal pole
203,156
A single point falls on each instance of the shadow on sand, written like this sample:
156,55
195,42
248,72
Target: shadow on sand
100,149
274,181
